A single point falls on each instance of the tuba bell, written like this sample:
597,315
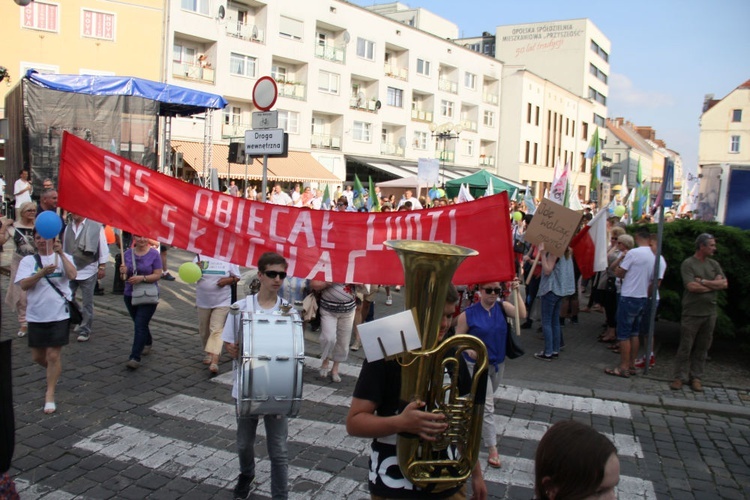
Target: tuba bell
448,461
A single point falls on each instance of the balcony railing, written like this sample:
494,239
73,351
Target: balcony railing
489,97
421,116
363,104
448,156
448,86
292,90
331,52
234,129
245,31
469,125
325,141
487,161
394,71
192,72
391,149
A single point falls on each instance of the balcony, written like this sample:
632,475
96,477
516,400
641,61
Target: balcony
469,125
391,149
489,97
447,156
448,86
234,129
292,90
421,116
395,72
364,104
487,161
335,53
325,141
244,31
191,71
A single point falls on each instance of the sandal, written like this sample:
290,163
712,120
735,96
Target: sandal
50,407
494,461
213,368
616,372
207,359
632,371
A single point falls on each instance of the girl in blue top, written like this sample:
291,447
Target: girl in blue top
486,320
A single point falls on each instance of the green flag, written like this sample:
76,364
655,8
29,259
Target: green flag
594,152
373,201
326,203
359,194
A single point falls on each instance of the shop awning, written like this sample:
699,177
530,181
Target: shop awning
407,169
297,167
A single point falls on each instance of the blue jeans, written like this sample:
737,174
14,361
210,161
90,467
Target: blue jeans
551,322
141,316
629,313
277,431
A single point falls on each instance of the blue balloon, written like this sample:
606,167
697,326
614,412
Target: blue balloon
48,224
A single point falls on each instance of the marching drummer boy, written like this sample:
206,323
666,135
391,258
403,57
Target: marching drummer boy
271,273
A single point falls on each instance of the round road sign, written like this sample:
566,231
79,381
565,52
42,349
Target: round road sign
265,93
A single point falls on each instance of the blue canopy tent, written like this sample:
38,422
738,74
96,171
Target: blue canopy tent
120,114
478,182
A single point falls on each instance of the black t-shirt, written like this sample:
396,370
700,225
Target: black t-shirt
380,382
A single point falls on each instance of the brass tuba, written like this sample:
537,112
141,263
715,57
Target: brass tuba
449,461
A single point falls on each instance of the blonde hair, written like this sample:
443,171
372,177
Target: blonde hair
26,205
617,231
626,240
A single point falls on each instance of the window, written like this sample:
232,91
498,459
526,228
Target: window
585,131
361,131
618,157
289,121
598,50
232,115
97,24
599,120
328,83
734,144
366,49
242,65
423,67
601,75
420,140
279,73
597,96
528,150
322,39
290,28
395,97
182,54
470,80
41,16
528,113
736,115
468,146
536,152
489,118
537,116
199,6
446,109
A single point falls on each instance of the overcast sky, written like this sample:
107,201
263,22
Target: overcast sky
666,54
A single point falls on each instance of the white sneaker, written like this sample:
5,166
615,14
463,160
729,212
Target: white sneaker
389,301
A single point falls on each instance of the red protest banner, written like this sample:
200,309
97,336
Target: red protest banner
345,247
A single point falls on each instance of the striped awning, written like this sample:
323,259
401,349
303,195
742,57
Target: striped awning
297,167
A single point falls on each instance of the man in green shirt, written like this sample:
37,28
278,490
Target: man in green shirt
703,278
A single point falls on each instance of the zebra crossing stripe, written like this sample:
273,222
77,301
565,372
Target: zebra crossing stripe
27,490
194,462
515,471
575,403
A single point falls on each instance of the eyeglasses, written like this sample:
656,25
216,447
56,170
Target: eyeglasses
340,204
496,291
275,274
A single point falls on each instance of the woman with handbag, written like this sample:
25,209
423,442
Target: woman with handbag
336,307
45,277
141,270
21,234
488,321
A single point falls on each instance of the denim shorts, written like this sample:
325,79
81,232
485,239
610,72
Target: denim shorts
629,313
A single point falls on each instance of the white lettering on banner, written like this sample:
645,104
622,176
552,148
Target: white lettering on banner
370,244
274,224
454,231
195,233
291,258
350,267
113,168
227,254
325,229
254,218
303,225
166,209
199,198
249,261
322,266
417,220
240,216
223,215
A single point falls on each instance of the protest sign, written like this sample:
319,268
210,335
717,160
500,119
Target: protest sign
554,225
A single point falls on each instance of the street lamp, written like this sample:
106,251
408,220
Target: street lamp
444,132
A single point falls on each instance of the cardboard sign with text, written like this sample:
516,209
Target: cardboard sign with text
554,225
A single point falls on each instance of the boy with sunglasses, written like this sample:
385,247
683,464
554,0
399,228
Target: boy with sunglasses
271,274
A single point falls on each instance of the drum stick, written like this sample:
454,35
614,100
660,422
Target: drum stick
123,276
533,266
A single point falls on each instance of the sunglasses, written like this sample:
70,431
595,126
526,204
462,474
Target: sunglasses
496,291
340,204
275,274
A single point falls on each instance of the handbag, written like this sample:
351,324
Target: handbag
143,293
513,349
309,307
71,306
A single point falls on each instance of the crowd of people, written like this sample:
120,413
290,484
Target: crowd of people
46,274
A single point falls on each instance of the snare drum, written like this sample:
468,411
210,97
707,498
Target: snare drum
272,359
